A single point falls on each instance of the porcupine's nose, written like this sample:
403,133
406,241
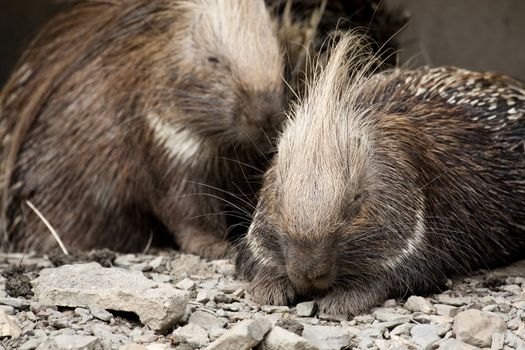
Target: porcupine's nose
312,269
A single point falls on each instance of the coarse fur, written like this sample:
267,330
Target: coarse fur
305,26
127,117
384,185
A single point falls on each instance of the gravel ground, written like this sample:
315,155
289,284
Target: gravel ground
174,301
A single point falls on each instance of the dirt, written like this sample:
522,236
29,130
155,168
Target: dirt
17,284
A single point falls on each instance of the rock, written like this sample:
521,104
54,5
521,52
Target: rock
160,347
84,314
446,310
419,304
228,286
442,328
476,327
141,267
159,278
157,262
15,302
224,267
402,329
216,332
390,303
186,284
326,337
235,306
206,320
448,300
521,329
332,317
91,285
132,346
192,334
364,319
8,326
243,336
181,347
204,295
239,293
273,318
274,308
454,344
424,335
498,340
71,342
291,325
31,344
187,264
424,318
281,339
101,314
514,341
390,345
365,343
388,316
8,310
372,331
3,294
222,298
305,309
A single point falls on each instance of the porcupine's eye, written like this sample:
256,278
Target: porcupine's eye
355,204
213,60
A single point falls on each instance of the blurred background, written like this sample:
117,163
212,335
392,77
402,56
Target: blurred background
474,34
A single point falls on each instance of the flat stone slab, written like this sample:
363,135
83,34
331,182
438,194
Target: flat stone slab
90,285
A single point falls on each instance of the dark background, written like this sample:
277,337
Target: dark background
475,34
19,21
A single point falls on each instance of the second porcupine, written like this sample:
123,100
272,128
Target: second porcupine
123,115
386,185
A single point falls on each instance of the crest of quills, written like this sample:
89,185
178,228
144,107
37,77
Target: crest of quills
170,300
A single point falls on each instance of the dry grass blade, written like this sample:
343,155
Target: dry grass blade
49,227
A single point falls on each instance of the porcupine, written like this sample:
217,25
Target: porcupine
384,185
127,117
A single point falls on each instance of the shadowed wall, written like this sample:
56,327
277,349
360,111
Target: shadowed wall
474,34
19,21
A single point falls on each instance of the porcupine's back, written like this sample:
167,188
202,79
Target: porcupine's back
473,169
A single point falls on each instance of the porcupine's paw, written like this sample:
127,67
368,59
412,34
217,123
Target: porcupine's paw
350,302
271,290
204,244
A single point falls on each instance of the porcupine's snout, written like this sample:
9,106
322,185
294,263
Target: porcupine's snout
311,268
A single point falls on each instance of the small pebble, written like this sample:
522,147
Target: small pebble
273,308
446,310
419,304
101,314
186,284
498,340
305,309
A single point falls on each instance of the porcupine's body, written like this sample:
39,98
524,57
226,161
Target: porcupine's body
126,117
384,186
